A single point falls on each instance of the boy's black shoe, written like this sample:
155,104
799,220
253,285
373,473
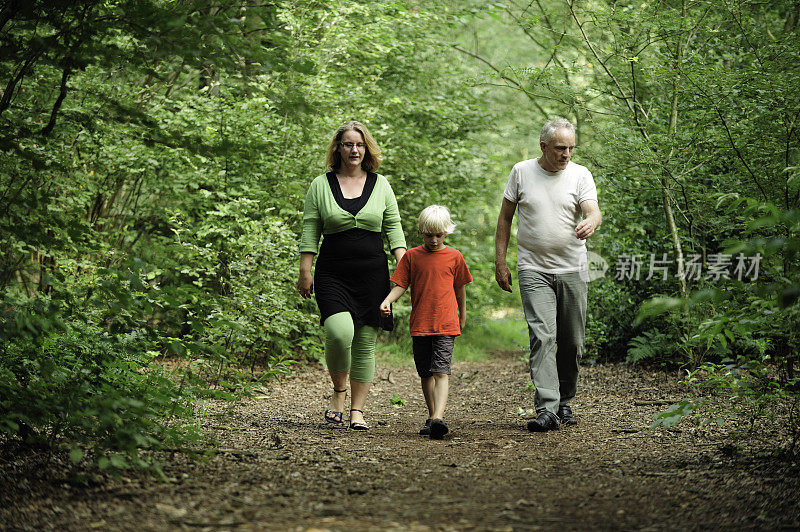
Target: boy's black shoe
565,415
438,429
546,421
426,430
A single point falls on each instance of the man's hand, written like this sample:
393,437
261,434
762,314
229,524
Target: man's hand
586,228
503,276
501,236
592,218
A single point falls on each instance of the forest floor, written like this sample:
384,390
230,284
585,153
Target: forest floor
280,467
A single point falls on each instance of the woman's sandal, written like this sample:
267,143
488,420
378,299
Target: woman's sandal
356,425
335,417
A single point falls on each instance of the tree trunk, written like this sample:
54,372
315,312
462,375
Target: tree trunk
673,128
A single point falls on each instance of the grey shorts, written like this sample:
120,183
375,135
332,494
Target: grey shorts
433,354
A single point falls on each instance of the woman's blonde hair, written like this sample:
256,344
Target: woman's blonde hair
435,219
372,154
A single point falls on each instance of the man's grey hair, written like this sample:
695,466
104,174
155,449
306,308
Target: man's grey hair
551,126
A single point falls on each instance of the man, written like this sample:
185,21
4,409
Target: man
551,193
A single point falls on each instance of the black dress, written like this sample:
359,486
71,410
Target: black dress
352,273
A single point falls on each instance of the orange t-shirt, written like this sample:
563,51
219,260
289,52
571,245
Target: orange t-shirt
433,277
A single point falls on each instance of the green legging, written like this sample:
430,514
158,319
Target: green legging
348,347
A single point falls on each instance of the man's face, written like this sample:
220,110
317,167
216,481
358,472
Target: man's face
557,153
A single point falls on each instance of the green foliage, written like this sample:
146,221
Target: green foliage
755,389
651,346
610,318
397,401
751,391
228,286
94,393
674,414
752,331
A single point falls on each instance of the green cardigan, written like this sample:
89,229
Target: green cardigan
322,215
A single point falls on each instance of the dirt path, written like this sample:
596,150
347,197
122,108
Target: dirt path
283,469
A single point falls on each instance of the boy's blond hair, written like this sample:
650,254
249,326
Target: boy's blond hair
435,219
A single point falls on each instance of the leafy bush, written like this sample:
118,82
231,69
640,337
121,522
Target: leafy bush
752,330
610,319
752,392
231,290
80,388
652,346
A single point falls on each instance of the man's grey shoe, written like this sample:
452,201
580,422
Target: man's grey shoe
565,415
438,429
426,430
546,421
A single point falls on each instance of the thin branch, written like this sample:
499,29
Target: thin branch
739,153
553,56
8,93
46,130
515,83
8,12
744,34
792,128
622,94
539,44
525,30
633,84
724,123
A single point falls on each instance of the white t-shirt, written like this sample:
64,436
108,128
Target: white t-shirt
549,207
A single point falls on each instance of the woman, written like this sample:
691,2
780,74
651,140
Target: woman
350,206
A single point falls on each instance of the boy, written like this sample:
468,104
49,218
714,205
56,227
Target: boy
437,275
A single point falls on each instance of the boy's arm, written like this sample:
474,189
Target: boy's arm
394,295
461,300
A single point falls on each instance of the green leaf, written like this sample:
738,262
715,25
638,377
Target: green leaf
674,414
656,307
176,347
118,461
397,401
75,455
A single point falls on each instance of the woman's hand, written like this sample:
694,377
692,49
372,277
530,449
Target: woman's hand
305,284
386,308
305,281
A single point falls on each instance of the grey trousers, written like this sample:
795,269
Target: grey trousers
555,309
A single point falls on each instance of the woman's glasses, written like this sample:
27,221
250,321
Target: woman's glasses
350,145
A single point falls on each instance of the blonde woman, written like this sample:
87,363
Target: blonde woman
350,206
